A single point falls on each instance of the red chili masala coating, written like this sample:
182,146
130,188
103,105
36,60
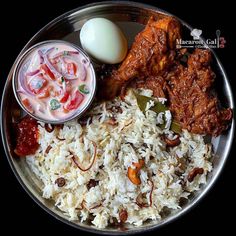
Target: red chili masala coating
153,62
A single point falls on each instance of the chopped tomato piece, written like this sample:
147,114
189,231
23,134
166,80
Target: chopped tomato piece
71,68
65,97
37,83
55,93
47,71
76,99
65,110
45,93
27,104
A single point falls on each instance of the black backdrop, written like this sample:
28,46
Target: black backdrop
19,22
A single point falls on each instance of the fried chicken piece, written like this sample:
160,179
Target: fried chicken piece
189,92
153,63
155,83
191,99
151,53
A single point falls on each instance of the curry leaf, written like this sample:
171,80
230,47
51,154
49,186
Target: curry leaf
143,100
158,107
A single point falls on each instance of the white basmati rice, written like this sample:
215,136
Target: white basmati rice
134,136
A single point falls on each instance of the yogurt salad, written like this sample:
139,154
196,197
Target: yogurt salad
54,81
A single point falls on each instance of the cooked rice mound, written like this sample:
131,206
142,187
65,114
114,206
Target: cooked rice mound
121,135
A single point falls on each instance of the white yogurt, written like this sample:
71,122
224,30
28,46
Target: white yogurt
55,81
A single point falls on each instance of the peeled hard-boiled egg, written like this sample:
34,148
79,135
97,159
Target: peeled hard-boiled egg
103,40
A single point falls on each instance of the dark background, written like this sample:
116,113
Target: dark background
19,22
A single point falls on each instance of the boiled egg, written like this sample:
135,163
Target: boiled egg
103,40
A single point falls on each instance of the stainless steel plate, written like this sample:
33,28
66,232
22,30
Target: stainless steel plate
131,17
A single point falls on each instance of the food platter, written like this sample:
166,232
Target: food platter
131,17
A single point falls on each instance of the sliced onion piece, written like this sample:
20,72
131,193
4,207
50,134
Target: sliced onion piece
64,70
81,68
49,147
82,73
24,87
50,65
96,206
48,128
73,52
140,202
41,56
139,199
152,187
60,139
32,73
85,62
60,54
82,206
92,162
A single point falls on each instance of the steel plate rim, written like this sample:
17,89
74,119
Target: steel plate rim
193,204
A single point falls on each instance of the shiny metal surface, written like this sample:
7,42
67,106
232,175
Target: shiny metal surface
130,17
